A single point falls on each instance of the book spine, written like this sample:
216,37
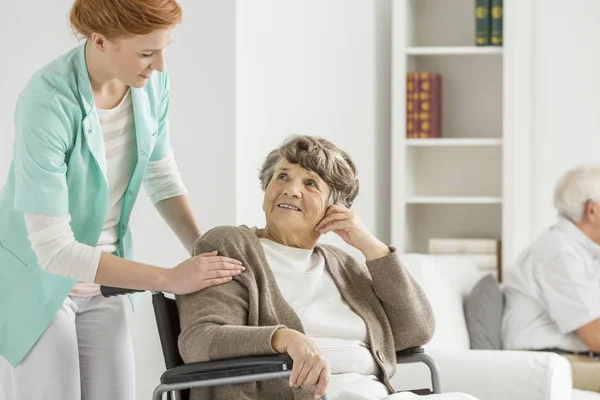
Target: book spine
411,91
430,106
463,246
436,102
496,13
425,105
417,84
482,22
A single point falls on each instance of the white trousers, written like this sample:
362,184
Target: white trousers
85,354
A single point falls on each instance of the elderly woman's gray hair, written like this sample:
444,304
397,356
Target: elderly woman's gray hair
575,188
321,156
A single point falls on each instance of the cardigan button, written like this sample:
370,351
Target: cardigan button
90,131
380,356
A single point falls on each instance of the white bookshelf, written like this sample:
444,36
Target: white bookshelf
453,200
456,142
466,183
453,50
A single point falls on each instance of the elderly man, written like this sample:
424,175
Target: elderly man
553,293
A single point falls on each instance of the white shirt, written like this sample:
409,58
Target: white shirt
328,320
118,132
553,290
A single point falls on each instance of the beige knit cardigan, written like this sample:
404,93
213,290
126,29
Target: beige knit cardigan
239,318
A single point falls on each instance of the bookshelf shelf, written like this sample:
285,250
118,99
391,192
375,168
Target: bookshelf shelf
453,142
473,180
453,50
453,200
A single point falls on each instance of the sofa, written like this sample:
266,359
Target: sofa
485,374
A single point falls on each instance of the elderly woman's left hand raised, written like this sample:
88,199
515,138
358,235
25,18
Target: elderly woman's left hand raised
345,223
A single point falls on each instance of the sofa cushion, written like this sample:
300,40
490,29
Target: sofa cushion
447,282
483,314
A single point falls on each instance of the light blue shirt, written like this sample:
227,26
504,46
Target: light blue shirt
553,290
59,168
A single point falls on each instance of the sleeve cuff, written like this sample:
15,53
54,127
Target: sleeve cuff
567,327
391,259
275,329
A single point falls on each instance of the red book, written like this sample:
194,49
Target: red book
411,97
430,110
417,83
436,101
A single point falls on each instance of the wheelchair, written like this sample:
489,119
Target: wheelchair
180,377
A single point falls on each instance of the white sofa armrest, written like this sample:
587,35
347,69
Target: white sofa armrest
493,374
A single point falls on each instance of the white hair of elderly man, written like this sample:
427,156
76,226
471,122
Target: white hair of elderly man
574,188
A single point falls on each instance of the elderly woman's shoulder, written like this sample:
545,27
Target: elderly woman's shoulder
223,234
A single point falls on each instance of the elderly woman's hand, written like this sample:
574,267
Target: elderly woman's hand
350,228
310,368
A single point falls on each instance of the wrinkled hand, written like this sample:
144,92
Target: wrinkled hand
202,271
311,369
346,224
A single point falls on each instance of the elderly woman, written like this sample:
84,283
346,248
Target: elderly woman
339,320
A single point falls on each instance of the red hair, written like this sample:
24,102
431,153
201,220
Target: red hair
121,18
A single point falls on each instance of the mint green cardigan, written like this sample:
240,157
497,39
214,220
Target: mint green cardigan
59,168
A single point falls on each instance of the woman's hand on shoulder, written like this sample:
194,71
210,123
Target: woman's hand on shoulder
310,369
202,271
346,224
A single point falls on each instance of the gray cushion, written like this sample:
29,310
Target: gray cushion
483,313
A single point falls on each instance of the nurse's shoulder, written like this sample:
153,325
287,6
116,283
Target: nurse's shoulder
53,98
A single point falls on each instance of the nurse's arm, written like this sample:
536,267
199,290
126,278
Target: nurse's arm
178,214
119,272
58,252
167,192
192,275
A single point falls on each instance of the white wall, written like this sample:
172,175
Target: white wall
319,68
30,41
566,96
304,67
201,63
201,68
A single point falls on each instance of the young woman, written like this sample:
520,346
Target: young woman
91,127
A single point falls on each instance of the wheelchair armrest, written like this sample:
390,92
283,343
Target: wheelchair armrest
227,368
409,352
109,291
417,354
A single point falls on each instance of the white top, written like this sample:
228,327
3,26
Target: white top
120,144
553,290
328,320
52,239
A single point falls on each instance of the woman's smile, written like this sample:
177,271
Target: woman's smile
289,207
